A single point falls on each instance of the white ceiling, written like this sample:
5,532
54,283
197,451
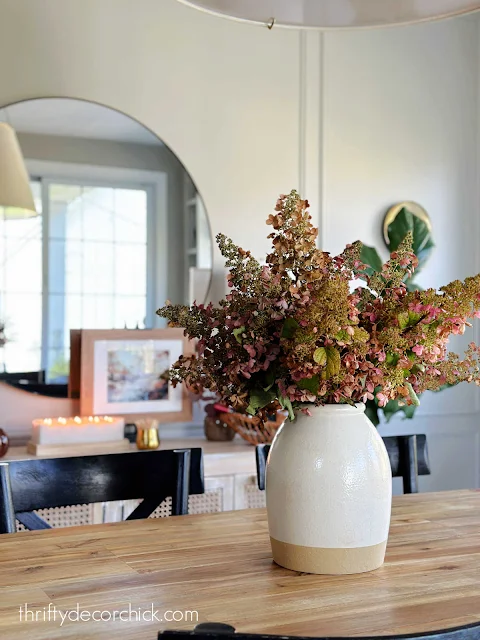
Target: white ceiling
77,119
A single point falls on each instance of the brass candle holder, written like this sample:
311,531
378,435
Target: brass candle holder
147,434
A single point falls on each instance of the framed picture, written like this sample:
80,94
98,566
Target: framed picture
122,372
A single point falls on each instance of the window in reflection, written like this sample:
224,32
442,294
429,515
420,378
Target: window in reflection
95,264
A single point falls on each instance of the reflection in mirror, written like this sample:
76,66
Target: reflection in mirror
120,227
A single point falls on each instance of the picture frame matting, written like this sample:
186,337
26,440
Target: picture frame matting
120,366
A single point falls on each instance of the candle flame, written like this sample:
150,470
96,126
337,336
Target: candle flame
74,421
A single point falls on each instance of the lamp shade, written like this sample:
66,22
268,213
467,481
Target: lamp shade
15,193
335,14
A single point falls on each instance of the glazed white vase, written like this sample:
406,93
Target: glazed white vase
329,492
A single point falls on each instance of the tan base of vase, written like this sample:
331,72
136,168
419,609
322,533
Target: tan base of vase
328,561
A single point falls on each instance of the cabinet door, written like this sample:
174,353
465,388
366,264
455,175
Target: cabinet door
247,494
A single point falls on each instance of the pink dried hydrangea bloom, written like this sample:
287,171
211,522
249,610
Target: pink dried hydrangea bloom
292,332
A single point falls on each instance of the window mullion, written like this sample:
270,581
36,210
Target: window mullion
45,189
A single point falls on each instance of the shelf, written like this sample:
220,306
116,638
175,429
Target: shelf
220,458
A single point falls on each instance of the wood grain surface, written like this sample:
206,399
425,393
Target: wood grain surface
220,566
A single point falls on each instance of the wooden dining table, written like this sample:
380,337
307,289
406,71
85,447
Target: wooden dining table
174,572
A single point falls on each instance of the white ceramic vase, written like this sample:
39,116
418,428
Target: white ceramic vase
329,492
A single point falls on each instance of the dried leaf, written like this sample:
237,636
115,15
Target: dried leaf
320,356
333,362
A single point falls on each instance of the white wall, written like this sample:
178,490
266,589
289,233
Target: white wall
108,153
18,408
400,121
358,121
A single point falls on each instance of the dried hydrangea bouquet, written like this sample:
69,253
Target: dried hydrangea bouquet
292,334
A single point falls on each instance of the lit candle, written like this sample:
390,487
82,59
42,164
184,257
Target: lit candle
77,430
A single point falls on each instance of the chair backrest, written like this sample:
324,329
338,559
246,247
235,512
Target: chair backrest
28,485
30,376
40,388
408,459
218,631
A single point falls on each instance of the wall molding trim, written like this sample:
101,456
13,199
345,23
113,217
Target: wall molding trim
311,122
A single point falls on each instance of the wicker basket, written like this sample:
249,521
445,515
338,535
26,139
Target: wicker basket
252,429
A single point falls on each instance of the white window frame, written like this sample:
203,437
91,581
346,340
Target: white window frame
155,183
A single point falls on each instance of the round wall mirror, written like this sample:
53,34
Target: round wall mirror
119,228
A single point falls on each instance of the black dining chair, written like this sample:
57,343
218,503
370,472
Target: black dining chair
408,459
28,485
219,631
